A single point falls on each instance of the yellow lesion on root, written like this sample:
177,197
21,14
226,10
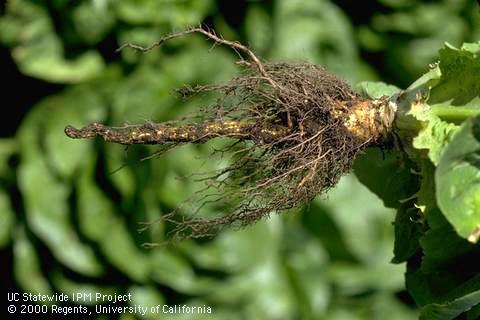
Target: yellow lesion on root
361,121
369,120
225,127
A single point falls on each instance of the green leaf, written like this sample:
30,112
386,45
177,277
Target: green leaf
434,133
51,222
474,313
93,20
99,222
397,181
407,233
459,84
46,195
354,209
26,265
457,182
352,279
319,222
329,40
376,90
237,251
421,286
147,92
446,272
454,303
171,269
254,273
259,29
173,13
312,288
380,305
454,96
451,309
412,35
147,297
441,245
80,292
38,51
76,107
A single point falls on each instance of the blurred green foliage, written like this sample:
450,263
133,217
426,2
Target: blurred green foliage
433,186
71,222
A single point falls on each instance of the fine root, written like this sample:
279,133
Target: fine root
296,130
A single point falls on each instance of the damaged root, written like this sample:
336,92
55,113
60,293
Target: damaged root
158,133
296,130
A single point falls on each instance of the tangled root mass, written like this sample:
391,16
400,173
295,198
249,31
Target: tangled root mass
296,144
291,143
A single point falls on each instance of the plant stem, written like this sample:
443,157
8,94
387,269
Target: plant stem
448,113
453,114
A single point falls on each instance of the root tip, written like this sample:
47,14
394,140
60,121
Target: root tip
89,131
71,132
